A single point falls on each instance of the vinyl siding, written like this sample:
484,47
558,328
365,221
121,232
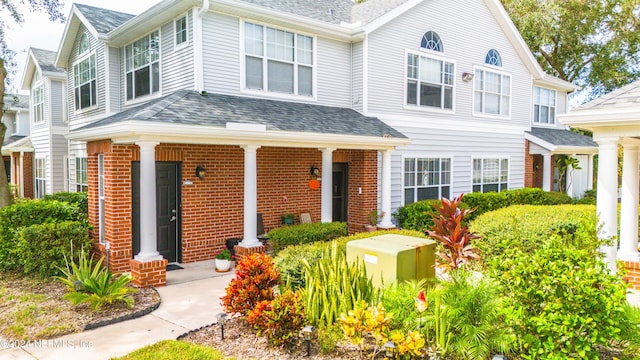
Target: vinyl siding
115,79
57,103
176,63
59,148
356,75
221,53
333,72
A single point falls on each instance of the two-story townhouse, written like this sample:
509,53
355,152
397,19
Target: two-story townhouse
48,122
197,117
16,147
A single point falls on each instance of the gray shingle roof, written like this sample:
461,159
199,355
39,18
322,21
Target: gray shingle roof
560,137
189,107
46,60
16,101
331,11
623,98
372,9
11,139
103,20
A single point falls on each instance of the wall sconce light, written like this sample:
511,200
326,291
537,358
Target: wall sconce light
466,77
314,171
222,319
200,172
390,349
308,331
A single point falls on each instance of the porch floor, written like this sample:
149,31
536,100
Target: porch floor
195,271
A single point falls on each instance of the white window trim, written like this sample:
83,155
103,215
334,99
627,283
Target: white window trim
430,109
144,98
411,155
101,200
86,171
43,191
272,94
73,77
533,107
498,70
183,44
40,84
491,156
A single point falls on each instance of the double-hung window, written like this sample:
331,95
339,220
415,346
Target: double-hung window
426,178
429,82
490,174
84,77
181,30
40,177
544,106
101,218
81,174
278,60
38,103
492,87
142,66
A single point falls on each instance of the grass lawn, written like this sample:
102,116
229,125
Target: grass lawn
173,349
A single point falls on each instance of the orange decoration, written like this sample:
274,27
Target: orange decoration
314,184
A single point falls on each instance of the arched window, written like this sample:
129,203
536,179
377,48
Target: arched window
83,47
493,58
431,41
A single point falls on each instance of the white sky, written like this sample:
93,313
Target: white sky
37,31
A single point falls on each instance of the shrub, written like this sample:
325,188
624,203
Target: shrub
328,338
363,321
23,214
333,286
78,199
255,278
280,319
93,284
416,216
589,198
400,300
485,202
566,304
289,260
284,236
43,248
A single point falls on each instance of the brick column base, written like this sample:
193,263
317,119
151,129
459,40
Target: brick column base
148,274
633,274
242,252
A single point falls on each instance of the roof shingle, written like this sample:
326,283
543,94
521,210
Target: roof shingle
46,60
103,20
560,137
623,98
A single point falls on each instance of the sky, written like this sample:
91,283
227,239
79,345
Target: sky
37,31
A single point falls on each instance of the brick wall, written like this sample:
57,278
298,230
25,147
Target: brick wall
27,172
633,274
529,166
212,208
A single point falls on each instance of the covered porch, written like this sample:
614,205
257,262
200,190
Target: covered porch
614,120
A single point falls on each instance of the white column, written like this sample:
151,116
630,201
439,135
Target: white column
385,222
546,172
326,214
607,196
629,206
21,171
250,238
148,217
569,180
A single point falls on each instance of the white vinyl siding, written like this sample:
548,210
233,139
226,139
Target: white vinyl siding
58,115
356,76
544,106
426,178
490,174
177,64
492,93
142,66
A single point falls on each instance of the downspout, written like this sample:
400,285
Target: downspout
197,45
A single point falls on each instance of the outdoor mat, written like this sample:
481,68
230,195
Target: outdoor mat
174,267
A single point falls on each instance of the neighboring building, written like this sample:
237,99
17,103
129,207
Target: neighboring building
48,122
16,143
234,103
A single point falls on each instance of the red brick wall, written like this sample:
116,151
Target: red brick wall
212,208
28,172
633,274
529,166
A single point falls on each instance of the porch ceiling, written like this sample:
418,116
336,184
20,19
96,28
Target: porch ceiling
189,117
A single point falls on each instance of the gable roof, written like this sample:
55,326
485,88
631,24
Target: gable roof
626,97
103,20
269,121
43,61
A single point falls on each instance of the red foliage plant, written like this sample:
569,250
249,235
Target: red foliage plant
256,275
455,238
280,319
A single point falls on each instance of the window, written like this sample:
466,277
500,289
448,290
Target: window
84,75
40,178
83,46
429,82
544,106
81,174
490,175
426,178
278,60
181,30
38,103
431,41
492,93
101,198
142,66
493,58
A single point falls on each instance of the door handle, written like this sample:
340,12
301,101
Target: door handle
173,218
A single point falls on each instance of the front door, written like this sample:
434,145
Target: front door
339,192
167,210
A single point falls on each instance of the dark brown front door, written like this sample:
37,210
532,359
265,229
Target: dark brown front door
340,192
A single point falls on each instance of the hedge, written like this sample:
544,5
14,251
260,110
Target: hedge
416,216
75,198
288,261
284,236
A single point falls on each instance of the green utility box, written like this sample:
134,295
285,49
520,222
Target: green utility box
394,257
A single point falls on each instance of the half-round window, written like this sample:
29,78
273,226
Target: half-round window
83,47
431,41
493,58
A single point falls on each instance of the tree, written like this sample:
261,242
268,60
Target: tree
591,43
53,9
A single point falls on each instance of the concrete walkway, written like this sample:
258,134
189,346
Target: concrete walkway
191,300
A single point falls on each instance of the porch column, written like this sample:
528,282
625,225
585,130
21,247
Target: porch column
21,175
385,222
250,238
607,196
326,214
546,172
590,172
629,205
148,233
